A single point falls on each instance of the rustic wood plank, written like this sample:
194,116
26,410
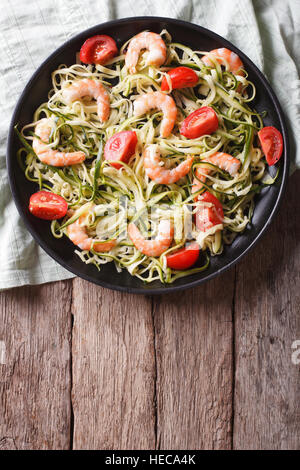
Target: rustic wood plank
193,333
35,327
113,369
267,406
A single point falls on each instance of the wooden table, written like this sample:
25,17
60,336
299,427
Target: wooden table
209,368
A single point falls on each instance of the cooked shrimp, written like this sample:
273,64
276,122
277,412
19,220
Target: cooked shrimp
152,247
48,155
158,173
222,160
78,235
159,100
150,41
225,161
224,56
92,88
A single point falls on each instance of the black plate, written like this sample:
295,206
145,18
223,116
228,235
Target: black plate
36,92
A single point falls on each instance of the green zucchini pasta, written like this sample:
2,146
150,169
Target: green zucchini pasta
108,198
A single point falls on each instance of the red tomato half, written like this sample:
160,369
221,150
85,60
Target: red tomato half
120,146
272,144
98,50
48,206
202,121
181,77
207,217
184,258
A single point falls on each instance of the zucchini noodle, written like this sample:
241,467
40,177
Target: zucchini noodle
110,198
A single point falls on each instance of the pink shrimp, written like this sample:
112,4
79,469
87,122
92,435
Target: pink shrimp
159,100
78,235
146,40
152,247
92,88
160,174
48,155
224,56
222,160
225,161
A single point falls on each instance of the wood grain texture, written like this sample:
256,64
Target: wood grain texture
193,337
159,373
113,369
35,327
267,321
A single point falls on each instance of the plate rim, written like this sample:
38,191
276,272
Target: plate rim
163,289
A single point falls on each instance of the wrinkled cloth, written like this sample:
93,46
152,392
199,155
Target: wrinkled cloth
266,30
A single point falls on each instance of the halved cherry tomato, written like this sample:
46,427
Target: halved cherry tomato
272,143
184,258
207,217
48,206
120,146
202,121
181,77
98,50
